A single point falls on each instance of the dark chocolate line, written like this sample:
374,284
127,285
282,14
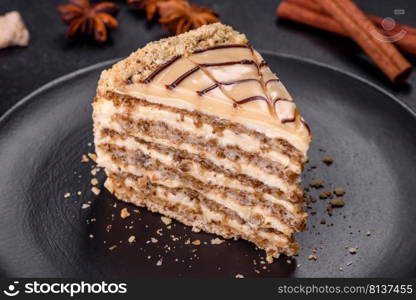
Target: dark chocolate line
204,91
306,125
281,99
271,80
160,69
262,64
238,81
288,120
250,99
198,67
217,84
220,47
182,77
229,63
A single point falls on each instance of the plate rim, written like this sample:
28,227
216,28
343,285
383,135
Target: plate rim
9,112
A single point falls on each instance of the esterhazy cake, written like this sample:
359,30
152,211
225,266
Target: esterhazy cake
198,128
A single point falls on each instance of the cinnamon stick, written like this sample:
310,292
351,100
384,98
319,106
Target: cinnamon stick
362,30
308,13
311,5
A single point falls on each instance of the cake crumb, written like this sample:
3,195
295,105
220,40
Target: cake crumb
91,236
313,257
153,240
132,239
94,181
67,195
217,241
85,205
352,250
269,259
108,227
339,192
159,262
93,156
328,160
368,233
239,276
79,193
124,213
95,190
196,242
167,221
317,183
84,159
341,268
112,247
325,194
337,202
187,242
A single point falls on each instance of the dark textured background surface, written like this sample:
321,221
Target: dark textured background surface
49,55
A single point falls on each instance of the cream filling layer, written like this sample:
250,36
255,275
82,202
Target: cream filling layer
131,145
209,215
243,211
104,159
299,136
105,109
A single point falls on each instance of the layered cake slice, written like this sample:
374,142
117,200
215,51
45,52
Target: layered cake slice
198,128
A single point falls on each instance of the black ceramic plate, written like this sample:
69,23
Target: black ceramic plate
370,135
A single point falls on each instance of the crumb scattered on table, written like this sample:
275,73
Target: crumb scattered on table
317,183
337,202
328,160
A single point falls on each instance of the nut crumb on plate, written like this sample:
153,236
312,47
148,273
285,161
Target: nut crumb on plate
93,156
217,241
167,221
95,190
124,213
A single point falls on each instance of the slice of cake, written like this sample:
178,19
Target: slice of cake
198,128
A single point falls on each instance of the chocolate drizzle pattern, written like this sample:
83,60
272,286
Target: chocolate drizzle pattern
182,77
271,80
149,78
258,65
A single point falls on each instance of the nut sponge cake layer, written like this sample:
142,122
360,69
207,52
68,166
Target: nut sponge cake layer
198,128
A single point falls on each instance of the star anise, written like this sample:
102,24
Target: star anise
180,16
150,6
88,19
